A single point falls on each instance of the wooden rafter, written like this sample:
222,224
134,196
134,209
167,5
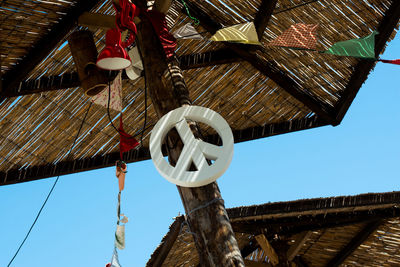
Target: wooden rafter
357,240
45,45
71,80
363,68
161,253
293,224
206,59
97,20
298,243
73,166
249,248
300,262
269,69
263,16
268,249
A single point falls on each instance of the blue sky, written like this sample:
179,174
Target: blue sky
77,226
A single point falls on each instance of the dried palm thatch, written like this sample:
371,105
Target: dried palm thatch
261,91
357,230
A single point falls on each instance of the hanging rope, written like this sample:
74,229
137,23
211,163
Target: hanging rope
51,191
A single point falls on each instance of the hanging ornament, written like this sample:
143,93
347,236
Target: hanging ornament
298,36
114,56
135,70
195,151
121,170
115,97
244,33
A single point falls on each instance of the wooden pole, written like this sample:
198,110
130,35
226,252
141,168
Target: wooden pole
206,215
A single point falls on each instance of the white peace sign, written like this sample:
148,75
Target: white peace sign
194,150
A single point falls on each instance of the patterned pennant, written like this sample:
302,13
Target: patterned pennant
116,95
298,36
361,48
244,33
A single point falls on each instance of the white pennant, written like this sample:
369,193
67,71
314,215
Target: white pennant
187,31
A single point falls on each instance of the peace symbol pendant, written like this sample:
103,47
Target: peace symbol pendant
194,151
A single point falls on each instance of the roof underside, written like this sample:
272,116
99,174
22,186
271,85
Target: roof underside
339,231
261,91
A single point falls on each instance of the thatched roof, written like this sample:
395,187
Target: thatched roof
360,230
261,91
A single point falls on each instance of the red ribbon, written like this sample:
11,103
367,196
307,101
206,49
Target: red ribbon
394,61
126,141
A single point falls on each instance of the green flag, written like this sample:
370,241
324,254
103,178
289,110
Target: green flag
362,47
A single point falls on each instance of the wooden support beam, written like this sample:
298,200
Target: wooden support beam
17,175
268,249
45,45
96,20
250,263
267,68
71,80
299,242
357,240
263,16
44,84
160,254
162,5
210,58
364,67
300,262
249,248
291,225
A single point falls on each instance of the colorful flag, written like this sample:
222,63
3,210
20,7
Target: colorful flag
361,48
115,98
298,36
187,31
394,61
244,33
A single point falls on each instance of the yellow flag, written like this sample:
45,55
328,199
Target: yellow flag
244,33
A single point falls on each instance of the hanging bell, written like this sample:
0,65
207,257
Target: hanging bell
113,56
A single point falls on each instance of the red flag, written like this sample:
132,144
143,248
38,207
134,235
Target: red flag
126,141
298,36
394,61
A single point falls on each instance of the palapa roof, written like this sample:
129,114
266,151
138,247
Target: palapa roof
260,90
360,230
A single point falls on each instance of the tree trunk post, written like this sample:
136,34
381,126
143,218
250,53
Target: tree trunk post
206,215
